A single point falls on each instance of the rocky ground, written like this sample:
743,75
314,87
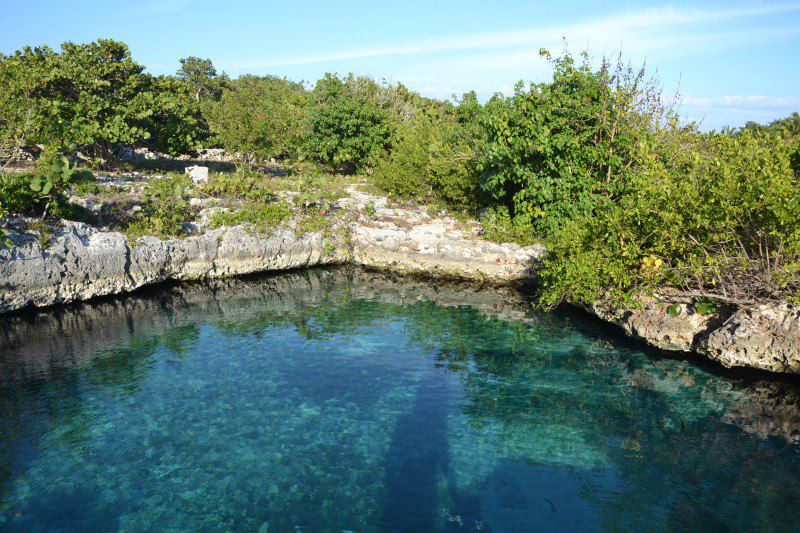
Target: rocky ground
80,262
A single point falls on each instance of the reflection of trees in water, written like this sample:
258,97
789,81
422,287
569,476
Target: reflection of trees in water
55,413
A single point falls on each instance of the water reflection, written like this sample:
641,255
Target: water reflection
354,400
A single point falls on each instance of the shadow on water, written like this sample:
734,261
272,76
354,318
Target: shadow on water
417,456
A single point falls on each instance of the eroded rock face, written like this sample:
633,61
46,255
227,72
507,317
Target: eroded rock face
418,242
653,324
83,262
39,343
766,337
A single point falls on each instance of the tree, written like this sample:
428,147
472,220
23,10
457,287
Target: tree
177,124
201,76
557,149
20,122
89,95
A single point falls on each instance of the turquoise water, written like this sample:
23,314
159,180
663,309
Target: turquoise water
337,400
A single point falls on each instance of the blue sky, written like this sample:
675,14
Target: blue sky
732,61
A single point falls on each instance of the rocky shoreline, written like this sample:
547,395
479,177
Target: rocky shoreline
82,262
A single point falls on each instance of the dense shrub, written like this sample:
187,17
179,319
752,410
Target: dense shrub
349,128
260,118
17,196
176,124
557,150
714,215
88,95
432,157
165,208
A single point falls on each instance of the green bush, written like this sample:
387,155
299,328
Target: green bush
432,157
712,215
4,240
260,215
349,128
260,118
556,151
165,207
176,125
17,196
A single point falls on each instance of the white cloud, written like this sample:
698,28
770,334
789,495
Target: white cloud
741,102
660,29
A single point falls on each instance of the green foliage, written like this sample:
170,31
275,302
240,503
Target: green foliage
200,77
705,306
18,119
243,184
349,127
317,192
165,207
498,226
432,157
53,177
17,196
90,95
258,214
176,124
4,233
711,214
260,118
559,150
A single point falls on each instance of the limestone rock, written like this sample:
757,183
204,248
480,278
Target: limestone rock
765,336
653,324
197,173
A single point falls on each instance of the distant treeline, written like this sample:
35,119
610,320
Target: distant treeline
595,163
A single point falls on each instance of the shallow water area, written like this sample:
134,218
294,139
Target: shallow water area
339,399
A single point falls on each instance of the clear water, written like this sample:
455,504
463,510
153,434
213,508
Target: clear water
337,400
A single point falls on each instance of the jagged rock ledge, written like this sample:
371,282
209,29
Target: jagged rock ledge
766,337
82,262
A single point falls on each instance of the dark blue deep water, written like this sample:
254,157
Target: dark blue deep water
338,400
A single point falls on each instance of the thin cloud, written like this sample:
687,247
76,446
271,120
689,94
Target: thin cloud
645,28
742,102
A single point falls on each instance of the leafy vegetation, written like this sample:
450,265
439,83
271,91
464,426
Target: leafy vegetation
259,118
165,208
713,215
349,129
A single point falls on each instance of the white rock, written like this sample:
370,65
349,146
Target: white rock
199,174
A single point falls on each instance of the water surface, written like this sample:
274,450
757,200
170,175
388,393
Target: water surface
334,400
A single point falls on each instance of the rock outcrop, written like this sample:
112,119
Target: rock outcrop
766,337
82,262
